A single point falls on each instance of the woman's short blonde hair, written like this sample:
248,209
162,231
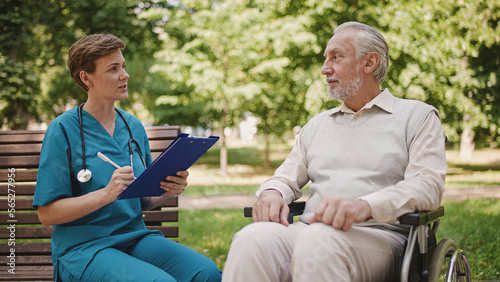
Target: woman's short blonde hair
84,52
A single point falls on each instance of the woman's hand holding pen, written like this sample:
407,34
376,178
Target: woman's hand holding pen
175,185
66,210
120,180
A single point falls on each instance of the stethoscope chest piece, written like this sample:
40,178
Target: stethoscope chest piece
84,175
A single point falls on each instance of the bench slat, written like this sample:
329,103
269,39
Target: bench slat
20,204
30,232
20,149
159,145
21,175
34,260
22,218
28,161
157,217
20,188
21,137
171,202
28,275
168,231
162,132
31,248
22,268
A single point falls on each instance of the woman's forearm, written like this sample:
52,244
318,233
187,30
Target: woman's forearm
70,209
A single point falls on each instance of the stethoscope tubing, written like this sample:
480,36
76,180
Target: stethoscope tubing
84,175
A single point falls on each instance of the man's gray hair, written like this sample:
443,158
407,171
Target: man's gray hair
369,40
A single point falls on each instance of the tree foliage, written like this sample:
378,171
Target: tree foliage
35,38
435,44
200,62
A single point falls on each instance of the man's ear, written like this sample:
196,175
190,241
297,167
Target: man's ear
85,78
371,63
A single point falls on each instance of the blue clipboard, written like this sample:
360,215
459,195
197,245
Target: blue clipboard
181,154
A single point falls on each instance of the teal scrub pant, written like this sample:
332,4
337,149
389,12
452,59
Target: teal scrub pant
152,258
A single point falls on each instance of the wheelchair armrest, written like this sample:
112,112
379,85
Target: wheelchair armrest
297,208
247,211
421,217
414,218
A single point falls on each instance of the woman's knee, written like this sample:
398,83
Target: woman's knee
114,265
208,273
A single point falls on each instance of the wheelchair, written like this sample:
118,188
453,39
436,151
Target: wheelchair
424,259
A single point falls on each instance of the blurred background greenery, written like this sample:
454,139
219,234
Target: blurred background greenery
213,64
216,65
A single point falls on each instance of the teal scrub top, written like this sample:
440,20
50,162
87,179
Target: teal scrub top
117,224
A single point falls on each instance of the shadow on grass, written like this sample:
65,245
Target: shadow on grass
474,167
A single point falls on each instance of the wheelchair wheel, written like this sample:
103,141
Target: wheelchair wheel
448,263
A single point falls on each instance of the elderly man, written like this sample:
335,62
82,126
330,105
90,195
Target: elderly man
371,160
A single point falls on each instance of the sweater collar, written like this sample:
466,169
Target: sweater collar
384,100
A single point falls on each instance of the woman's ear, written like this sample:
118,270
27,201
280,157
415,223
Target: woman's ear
85,78
372,61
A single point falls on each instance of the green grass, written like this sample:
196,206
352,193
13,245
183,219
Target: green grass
210,231
219,189
252,156
472,224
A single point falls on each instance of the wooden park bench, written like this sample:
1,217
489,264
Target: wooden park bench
24,242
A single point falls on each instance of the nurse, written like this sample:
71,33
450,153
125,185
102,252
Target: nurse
97,237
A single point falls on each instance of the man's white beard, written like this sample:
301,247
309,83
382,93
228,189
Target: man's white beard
345,90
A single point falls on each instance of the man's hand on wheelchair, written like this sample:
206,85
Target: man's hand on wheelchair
271,207
341,213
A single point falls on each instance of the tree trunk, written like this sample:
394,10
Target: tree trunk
223,149
18,116
467,144
223,156
268,152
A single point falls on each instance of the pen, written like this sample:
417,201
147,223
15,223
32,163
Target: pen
106,159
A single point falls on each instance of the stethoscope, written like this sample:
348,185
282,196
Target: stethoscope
85,174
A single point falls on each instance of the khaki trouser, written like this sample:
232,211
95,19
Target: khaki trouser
268,251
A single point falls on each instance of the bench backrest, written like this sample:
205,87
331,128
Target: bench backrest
24,242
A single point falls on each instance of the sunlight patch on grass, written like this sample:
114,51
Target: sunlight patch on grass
488,157
482,170
472,179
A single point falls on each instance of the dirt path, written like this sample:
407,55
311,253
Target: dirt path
240,201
